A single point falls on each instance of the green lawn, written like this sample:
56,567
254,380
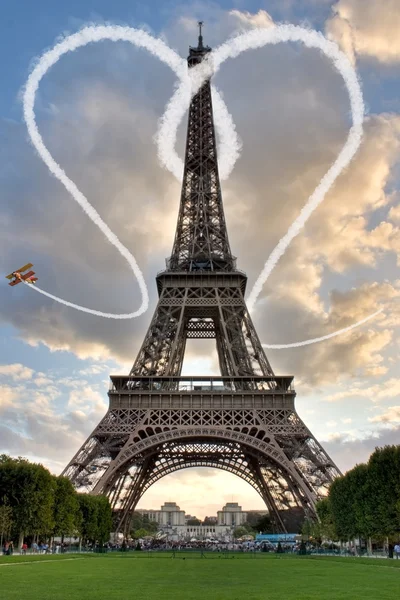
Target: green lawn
119,576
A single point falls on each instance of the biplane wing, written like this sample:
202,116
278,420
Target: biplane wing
28,266
29,274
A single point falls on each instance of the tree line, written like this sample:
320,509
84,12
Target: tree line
36,505
364,503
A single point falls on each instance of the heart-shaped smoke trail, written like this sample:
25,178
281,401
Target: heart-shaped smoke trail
229,148
69,44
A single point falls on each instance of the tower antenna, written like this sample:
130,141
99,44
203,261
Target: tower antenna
200,23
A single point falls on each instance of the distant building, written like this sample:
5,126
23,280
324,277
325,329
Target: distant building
231,515
261,512
169,515
174,522
190,518
210,521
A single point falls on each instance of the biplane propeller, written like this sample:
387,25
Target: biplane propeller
18,277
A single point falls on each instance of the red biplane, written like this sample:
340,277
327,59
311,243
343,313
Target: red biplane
18,277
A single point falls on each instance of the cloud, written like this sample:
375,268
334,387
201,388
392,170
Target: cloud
357,352
85,398
394,214
342,237
98,114
40,425
42,381
260,19
72,383
7,396
367,28
16,371
391,415
386,389
347,452
93,370
90,127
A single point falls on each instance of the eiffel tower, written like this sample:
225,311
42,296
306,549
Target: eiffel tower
243,421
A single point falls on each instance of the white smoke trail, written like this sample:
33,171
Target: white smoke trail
165,137
91,311
324,337
82,38
258,38
229,147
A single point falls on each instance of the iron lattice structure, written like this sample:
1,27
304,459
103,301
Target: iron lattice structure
245,421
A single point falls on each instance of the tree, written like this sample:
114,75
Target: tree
5,522
249,529
359,484
239,532
366,501
43,504
88,507
254,518
104,519
66,508
326,524
140,534
193,522
16,488
150,526
384,478
398,514
142,522
136,521
311,529
29,490
342,506
264,524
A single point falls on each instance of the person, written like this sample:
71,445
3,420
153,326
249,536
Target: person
397,550
24,548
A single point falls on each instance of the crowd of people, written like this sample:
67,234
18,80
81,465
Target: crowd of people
35,548
155,544
202,545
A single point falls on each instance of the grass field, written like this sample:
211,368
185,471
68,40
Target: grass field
118,576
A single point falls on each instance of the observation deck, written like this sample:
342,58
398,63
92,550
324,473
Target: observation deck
199,392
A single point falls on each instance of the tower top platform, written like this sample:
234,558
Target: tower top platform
196,54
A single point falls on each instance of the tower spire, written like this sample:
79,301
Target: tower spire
200,44
201,239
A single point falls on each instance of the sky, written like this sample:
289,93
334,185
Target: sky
98,111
